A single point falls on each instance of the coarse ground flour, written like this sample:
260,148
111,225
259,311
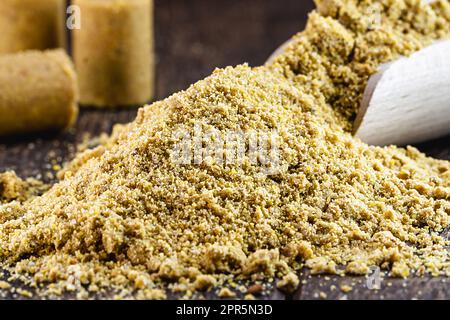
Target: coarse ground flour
156,207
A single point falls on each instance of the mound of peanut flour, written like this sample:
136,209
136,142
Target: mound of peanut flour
249,174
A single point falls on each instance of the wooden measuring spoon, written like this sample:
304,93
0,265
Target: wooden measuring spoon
408,100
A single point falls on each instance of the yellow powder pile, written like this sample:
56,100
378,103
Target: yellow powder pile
130,216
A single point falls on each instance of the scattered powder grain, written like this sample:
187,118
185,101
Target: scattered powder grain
289,283
226,293
346,288
24,293
127,216
4,285
204,282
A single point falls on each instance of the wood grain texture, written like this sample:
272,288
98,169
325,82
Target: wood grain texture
192,38
360,288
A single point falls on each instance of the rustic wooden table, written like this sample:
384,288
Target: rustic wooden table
192,38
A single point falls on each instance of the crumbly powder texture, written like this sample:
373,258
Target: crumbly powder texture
127,217
13,188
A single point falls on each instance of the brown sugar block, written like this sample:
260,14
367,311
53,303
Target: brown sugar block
31,24
113,52
38,92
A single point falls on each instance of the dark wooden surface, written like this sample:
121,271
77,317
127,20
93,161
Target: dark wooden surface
192,38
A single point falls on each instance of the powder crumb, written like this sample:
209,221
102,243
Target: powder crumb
249,297
84,295
151,294
14,188
226,293
400,269
4,285
24,293
346,288
288,283
204,282
357,268
321,265
140,282
242,289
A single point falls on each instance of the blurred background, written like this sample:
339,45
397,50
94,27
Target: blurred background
193,37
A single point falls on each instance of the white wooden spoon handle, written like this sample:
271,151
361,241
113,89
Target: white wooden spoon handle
408,100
